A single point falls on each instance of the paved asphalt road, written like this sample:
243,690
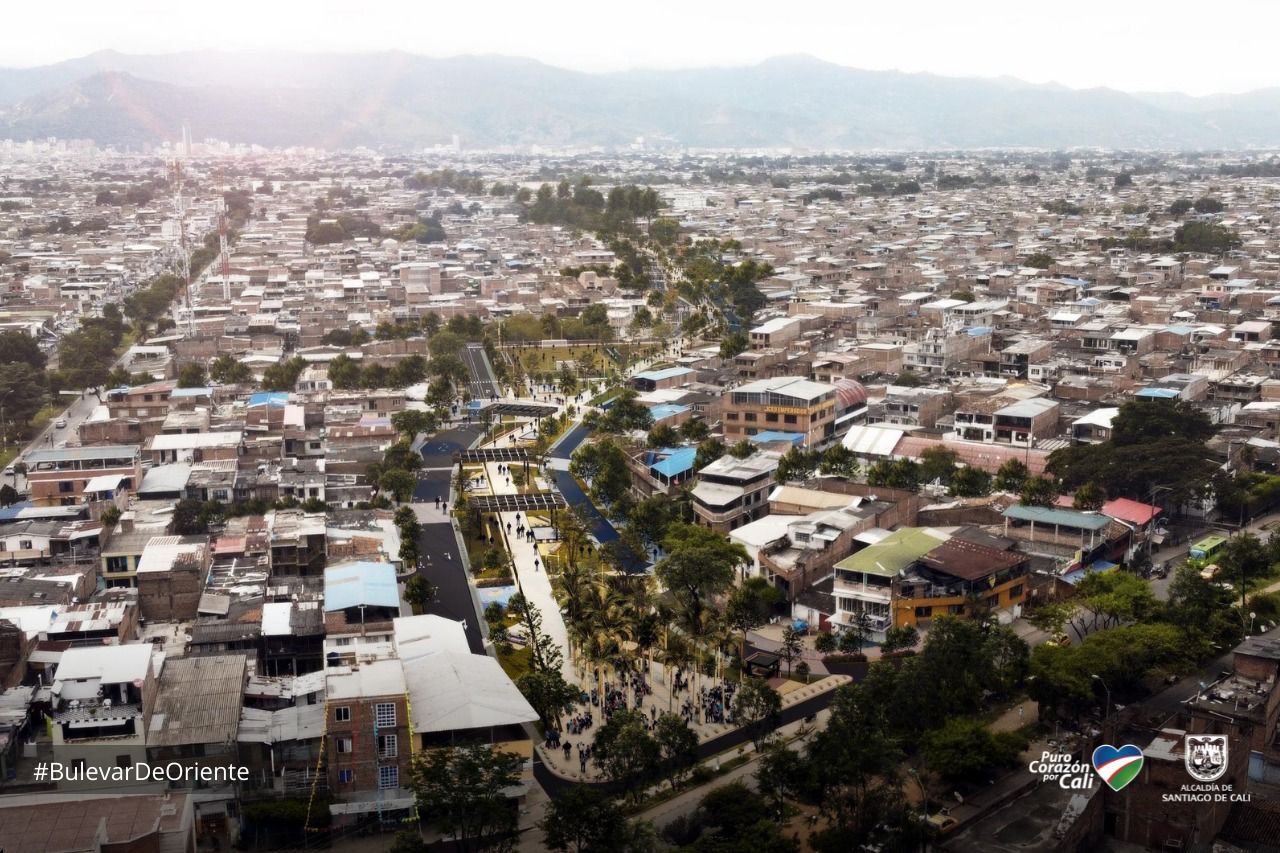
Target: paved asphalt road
437,544
483,384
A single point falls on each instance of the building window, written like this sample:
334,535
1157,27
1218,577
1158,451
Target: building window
924,612
1015,591
389,777
346,777
24,544
342,744
733,416
388,746
790,419
342,715
749,416
772,418
384,715
66,486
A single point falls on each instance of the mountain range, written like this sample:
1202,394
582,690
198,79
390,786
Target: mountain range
401,101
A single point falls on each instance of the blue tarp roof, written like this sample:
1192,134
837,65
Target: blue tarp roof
269,398
353,584
978,331
678,460
1159,393
776,435
666,410
1075,577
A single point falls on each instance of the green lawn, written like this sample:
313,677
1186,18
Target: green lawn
517,662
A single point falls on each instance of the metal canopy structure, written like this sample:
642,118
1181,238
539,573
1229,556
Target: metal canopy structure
491,454
521,410
518,503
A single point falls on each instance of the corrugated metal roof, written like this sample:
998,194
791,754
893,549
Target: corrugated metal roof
354,584
1059,517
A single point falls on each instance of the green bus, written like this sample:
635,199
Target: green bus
1207,547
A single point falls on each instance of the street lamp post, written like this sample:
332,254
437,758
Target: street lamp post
1107,710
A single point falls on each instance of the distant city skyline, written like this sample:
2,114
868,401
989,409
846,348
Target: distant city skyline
1132,47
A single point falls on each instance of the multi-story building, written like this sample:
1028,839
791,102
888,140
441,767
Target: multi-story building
367,737
170,576
60,476
940,350
732,492
863,585
104,697
785,404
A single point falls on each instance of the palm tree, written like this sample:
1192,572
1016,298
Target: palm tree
571,590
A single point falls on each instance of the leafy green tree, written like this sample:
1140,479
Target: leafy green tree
965,750
732,344
709,451
662,435
549,694
894,474
1039,260
739,818
22,393
410,422
969,482
186,518
1144,421
792,645
650,518
400,484
19,346
1038,491
677,743
226,370
758,707
1208,204
700,563
741,450
899,637
1205,237
1180,207
751,603
192,375
625,750
1089,497
797,464
604,464
462,792
839,461
694,430
938,463
854,766
283,376
419,592
584,819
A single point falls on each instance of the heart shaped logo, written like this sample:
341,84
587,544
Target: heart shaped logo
1117,767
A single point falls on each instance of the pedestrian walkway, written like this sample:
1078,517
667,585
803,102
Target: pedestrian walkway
527,566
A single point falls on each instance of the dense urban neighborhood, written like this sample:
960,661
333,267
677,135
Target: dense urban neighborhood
638,498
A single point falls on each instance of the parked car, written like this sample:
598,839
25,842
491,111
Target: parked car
60,423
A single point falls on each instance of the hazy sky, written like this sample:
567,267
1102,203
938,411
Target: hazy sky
1124,44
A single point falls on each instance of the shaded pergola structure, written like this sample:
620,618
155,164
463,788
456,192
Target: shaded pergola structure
518,503
520,410
491,454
